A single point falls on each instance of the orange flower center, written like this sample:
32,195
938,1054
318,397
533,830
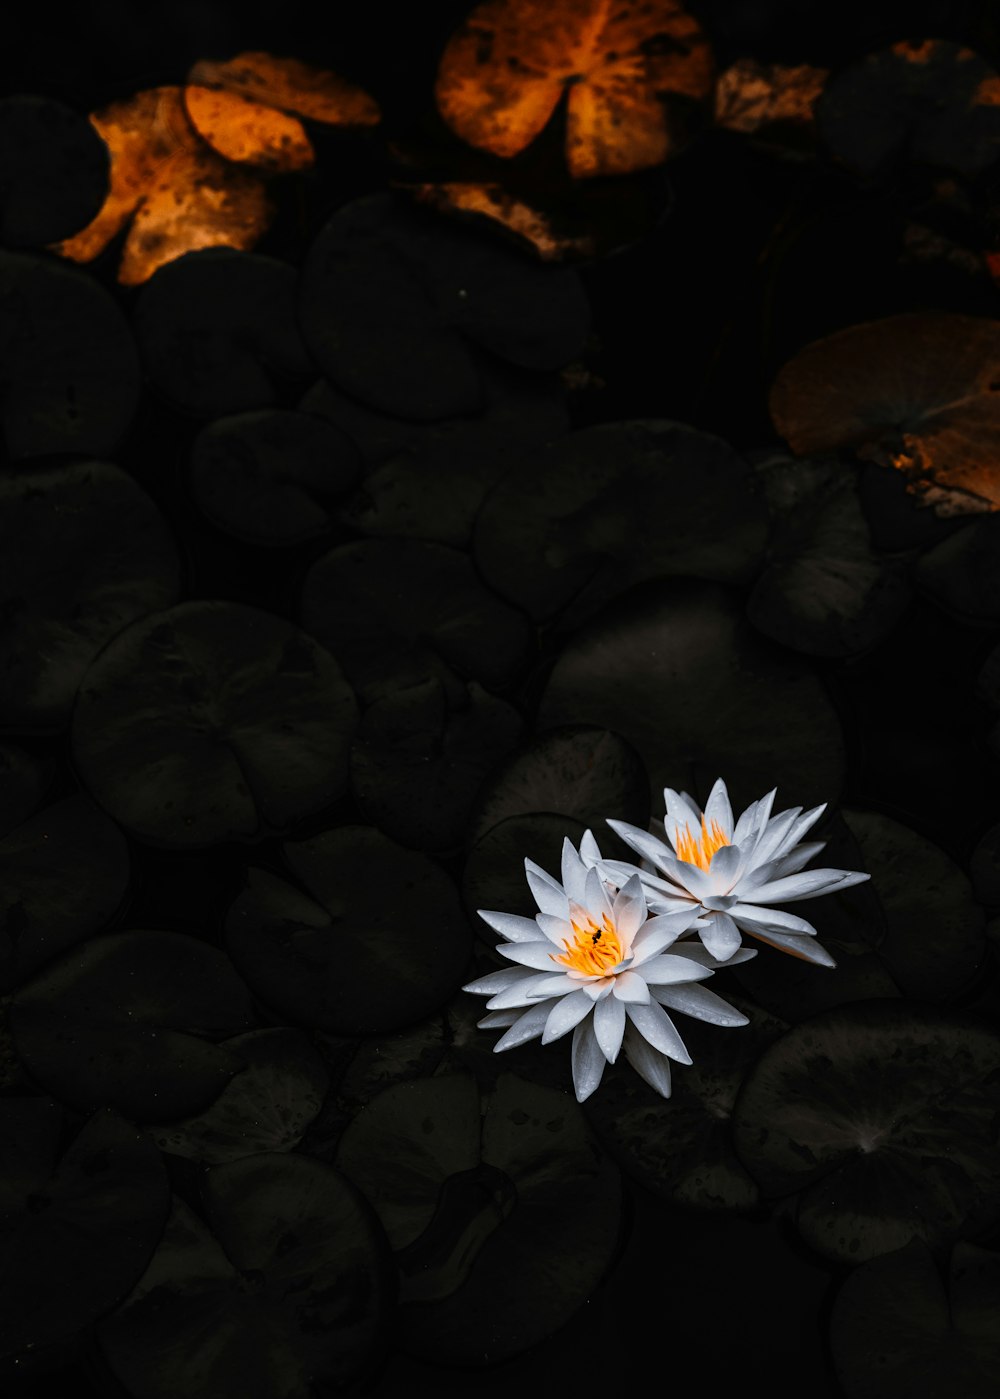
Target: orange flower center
699,849
595,949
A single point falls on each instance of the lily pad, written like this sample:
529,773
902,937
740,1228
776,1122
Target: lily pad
217,331
68,364
916,392
213,721
377,941
24,780
272,477
63,874
590,774
67,1255
984,867
962,572
899,1330
85,552
292,1285
493,876
484,1212
929,101
128,1020
418,763
397,306
603,508
400,612
681,1148
824,591
675,670
934,942
53,171
878,1117
266,1106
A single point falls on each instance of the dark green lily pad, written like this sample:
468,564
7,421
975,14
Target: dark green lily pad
289,1289
53,171
418,763
213,721
378,941
900,1331
680,1148
272,477
68,365
67,1254
823,591
128,1020
493,876
984,867
217,331
399,612
63,874
963,571
879,1116
427,480
24,779
590,774
675,670
934,942
85,552
929,101
396,307
266,1106
585,518
485,1213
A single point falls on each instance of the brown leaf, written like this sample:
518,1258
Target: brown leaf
492,201
175,193
751,94
505,70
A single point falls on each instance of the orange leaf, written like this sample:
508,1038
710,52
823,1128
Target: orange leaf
621,65
919,392
493,202
751,94
289,86
176,193
247,131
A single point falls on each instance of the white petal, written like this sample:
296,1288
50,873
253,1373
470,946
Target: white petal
629,912
498,1019
609,1026
721,936
588,1061
800,826
754,819
557,985
726,866
528,1026
598,987
648,1063
629,986
556,929
644,844
574,873
565,1015
696,953
670,969
655,1025
669,903
538,955
807,885
806,948
590,851
493,982
777,869
719,810
547,893
598,904
659,932
681,812
768,920
701,1003
525,993
773,835
510,925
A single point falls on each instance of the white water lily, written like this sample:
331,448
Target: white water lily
593,961
730,874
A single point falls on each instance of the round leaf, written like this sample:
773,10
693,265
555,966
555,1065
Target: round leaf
53,171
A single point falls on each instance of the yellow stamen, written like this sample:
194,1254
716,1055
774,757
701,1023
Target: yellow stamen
595,949
699,849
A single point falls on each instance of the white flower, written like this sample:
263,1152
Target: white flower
730,874
594,962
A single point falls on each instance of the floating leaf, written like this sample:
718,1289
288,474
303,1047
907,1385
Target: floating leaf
63,874
963,571
169,190
898,1331
272,477
53,171
213,721
484,1211
292,1283
881,1116
68,365
919,392
128,1021
24,778
85,552
750,94
265,1106
606,507
531,227
378,940
67,1254
928,100
629,75
494,871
